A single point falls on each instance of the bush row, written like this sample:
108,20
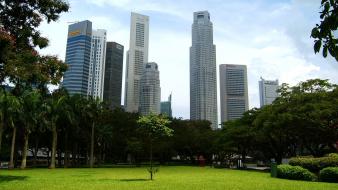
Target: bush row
315,164
329,174
294,172
286,171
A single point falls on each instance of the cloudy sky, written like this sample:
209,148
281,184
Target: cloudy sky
271,37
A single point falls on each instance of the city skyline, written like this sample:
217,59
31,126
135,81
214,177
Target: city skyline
268,51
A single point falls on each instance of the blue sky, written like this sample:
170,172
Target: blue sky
271,37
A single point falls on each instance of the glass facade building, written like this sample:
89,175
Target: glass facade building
166,107
113,74
203,84
150,90
75,79
267,91
233,91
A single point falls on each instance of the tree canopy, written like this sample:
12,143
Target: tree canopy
324,33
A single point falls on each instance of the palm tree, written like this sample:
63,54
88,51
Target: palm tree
53,108
31,104
93,110
3,110
8,107
14,110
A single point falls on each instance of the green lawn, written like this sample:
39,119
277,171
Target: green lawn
169,178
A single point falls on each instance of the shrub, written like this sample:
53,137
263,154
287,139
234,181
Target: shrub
315,164
329,174
294,172
334,155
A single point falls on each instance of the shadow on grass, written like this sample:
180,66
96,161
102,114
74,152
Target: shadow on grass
130,180
8,178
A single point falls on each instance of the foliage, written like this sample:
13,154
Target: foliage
315,164
154,126
294,172
323,32
19,36
329,174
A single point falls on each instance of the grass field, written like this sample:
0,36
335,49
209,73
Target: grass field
173,178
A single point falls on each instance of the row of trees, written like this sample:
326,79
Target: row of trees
77,130
303,121
35,114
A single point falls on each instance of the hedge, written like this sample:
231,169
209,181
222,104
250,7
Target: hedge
294,172
329,174
315,164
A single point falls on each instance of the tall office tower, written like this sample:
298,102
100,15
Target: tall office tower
150,90
268,91
234,91
97,64
203,84
75,79
137,56
113,75
166,107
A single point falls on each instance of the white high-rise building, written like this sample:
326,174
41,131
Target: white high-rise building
233,91
97,64
268,91
150,90
137,56
203,84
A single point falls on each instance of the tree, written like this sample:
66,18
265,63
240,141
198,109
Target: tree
15,108
20,62
239,134
31,104
54,106
154,127
314,115
323,32
94,110
9,106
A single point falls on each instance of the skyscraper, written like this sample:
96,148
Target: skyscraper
233,91
166,107
75,79
150,90
137,56
203,84
97,63
267,91
113,74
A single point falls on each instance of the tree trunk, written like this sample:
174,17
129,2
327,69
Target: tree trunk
59,158
1,132
243,159
11,162
92,147
151,160
36,149
66,158
54,143
24,151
